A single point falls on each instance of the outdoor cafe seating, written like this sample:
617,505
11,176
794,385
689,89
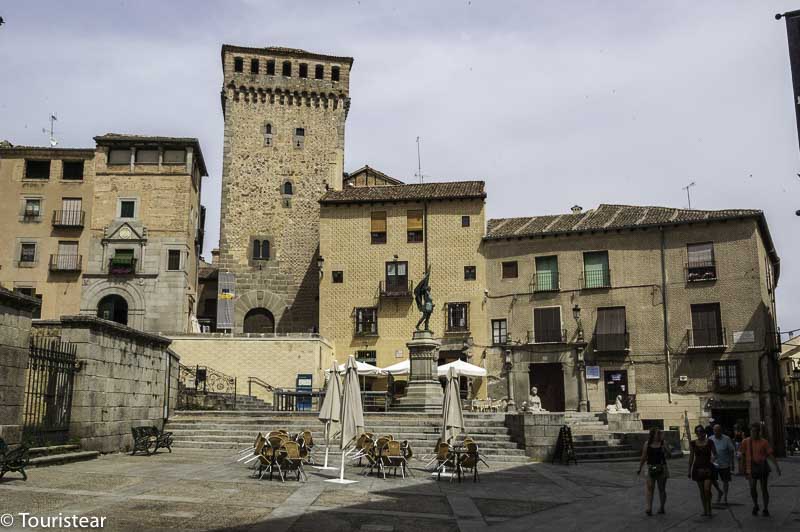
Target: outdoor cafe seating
279,452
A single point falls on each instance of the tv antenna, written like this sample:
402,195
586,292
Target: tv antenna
53,141
688,194
419,164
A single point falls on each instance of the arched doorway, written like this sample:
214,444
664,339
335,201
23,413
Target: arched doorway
113,308
259,320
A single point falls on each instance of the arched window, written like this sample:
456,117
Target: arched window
260,249
259,320
268,134
113,308
288,189
299,137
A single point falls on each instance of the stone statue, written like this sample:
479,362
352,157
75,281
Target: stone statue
534,402
422,296
617,407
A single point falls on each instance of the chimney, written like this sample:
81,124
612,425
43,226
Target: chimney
577,209
215,256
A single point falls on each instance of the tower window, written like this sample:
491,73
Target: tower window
335,73
287,68
288,189
319,72
260,249
299,137
267,134
238,64
271,67
303,70
338,276
254,66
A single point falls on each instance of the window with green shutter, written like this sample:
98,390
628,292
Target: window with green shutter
547,274
595,270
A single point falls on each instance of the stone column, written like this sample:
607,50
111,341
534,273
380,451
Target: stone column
424,393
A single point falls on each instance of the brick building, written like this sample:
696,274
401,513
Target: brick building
672,309
375,242
285,113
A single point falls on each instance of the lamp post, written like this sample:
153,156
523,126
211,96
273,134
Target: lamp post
580,348
511,406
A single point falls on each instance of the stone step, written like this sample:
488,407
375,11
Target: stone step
318,433
62,458
313,422
319,429
607,453
391,415
33,452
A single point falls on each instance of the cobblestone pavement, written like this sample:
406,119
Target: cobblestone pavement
208,490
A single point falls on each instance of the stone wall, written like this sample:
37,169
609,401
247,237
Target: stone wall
275,360
537,432
15,327
122,382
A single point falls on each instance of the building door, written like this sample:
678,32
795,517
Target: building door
259,320
616,384
549,381
113,308
728,417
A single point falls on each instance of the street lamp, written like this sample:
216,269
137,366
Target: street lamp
580,347
508,364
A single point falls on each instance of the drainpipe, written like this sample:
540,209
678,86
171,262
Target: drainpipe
425,232
664,308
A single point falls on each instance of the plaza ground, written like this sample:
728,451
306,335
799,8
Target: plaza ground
208,490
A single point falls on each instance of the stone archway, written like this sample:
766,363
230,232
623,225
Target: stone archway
97,290
113,307
255,299
259,320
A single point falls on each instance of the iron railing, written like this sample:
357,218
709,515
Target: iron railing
701,271
68,218
404,289
52,365
595,279
120,266
546,282
547,336
311,400
202,379
365,328
258,382
611,342
707,338
65,263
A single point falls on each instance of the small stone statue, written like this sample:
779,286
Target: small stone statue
617,407
422,296
534,402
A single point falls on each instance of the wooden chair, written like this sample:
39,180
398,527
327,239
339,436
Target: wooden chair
291,460
392,457
444,458
470,460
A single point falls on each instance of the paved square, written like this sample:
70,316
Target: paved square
209,490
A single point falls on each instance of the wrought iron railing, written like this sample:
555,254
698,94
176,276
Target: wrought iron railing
701,271
202,379
258,382
68,218
365,328
547,336
595,279
311,400
121,266
611,342
705,338
65,263
395,289
546,281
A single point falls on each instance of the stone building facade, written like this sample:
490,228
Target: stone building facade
672,309
45,210
790,375
146,232
285,113
376,242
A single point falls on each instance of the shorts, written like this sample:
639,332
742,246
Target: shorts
701,474
721,473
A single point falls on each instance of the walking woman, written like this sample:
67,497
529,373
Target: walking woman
756,450
702,454
655,454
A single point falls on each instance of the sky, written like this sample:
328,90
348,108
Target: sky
552,103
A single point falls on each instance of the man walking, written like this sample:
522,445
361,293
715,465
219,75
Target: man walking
723,464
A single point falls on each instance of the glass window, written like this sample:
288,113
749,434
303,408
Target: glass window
73,170
27,252
706,326
33,208
611,329
338,276
119,156
147,156
367,320
547,325
469,273
174,259
254,66
127,208
238,64
378,227
288,189
174,156
700,265
271,67
465,221
499,332
37,169
368,357
546,274
261,250
457,317
335,73
287,68
319,72
303,71
510,270
727,376
299,137
595,270
396,277
414,225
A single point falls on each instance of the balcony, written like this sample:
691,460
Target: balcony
122,266
590,280
365,328
546,282
701,271
396,289
68,219
611,342
547,336
65,263
709,339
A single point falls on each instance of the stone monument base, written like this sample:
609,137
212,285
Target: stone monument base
424,392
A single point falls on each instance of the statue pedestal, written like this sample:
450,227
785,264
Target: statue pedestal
424,392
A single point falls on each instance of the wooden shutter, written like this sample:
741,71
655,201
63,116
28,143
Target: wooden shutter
415,220
610,329
378,224
706,324
547,324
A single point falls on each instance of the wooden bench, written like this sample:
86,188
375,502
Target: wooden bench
13,460
149,440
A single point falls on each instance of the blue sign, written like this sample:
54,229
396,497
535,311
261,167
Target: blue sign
592,372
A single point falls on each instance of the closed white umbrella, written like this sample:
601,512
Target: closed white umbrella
330,413
452,414
352,414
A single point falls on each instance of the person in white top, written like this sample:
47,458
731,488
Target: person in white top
724,462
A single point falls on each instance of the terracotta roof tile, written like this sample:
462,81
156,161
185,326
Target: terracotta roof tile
415,192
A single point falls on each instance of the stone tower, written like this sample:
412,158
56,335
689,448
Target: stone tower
285,113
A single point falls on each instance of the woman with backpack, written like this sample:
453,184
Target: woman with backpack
756,450
655,455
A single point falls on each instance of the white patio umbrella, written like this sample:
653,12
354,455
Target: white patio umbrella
352,414
463,369
330,413
363,369
401,368
452,414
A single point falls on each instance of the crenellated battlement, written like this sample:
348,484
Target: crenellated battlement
285,96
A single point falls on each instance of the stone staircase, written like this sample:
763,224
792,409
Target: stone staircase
593,441
237,429
222,401
59,454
